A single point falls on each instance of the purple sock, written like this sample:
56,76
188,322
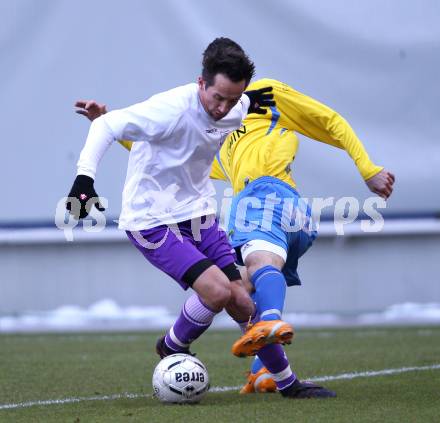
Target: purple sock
275,360
194,319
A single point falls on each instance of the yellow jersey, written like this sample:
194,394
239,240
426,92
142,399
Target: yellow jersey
267,144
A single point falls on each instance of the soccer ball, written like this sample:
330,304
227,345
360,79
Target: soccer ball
180,378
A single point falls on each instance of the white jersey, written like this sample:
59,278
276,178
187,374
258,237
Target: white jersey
168,173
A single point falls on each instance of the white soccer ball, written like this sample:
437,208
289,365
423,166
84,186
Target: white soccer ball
180,378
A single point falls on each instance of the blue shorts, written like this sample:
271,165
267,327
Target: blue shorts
268,209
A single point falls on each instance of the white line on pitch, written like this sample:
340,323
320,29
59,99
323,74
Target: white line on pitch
342,376
347,376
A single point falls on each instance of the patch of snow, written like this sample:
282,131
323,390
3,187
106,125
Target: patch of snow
107,315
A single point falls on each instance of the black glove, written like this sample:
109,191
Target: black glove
82,190
260,98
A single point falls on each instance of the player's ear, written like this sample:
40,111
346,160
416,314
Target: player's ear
201,82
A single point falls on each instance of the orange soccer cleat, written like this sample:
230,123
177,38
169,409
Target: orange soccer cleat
259,382
262,333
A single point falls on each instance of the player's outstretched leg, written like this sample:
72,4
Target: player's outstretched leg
270,291
271,370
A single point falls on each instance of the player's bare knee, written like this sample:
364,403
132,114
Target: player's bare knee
258,259
220,295
214,288
240,300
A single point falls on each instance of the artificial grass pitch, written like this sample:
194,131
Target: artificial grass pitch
80,367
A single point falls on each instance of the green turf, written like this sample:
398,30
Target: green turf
47,367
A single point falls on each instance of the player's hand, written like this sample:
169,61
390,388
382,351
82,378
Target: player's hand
259,99
381,184
90,109
83,191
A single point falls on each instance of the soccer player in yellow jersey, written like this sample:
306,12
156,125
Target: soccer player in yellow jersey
269,224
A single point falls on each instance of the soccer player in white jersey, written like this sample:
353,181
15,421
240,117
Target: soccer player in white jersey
166,207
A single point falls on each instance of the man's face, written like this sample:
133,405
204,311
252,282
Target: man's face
220,97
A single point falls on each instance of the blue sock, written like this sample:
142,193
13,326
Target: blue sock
269,295
270,292
257,364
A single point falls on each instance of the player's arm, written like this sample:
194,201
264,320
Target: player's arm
82,196
317,121
92,110
140,122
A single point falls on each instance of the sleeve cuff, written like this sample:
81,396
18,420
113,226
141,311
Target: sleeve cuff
87,172
372,172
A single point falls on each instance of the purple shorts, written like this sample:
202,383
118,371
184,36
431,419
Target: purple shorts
176,248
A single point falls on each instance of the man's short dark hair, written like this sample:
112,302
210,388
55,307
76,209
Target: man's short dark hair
226,57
